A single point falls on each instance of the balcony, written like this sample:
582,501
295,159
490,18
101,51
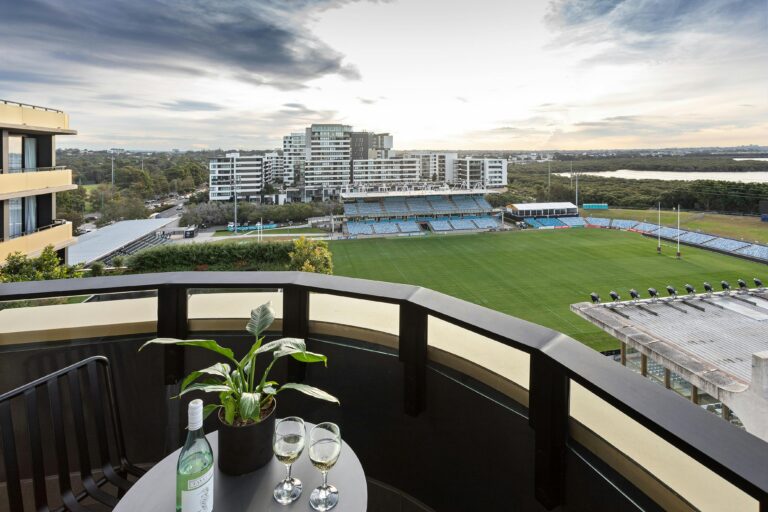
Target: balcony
32,182
454,405
33,119
58,234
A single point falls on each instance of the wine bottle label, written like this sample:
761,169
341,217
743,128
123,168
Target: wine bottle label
198,494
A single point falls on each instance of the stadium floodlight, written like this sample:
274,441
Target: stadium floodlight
653,293
633,293
614,296
690,289
758,282
672,291
708,288
726,286
595,298
742,285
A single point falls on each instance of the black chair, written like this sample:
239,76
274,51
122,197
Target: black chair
87,388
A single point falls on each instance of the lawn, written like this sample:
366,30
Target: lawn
276,231
537,274
733,226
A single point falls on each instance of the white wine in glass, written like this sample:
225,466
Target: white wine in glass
288,443
324,450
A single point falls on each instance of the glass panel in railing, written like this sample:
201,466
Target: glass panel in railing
664,473
504,368
229,309
77,317
376,322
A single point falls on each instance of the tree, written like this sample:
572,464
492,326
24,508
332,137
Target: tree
70,205
311,256
19,267
123,208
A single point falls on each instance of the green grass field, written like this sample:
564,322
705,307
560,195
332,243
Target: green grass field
537,274
749,228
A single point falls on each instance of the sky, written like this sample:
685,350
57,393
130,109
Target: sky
486,74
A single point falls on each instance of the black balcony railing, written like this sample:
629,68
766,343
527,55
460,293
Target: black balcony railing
555,361
39,169
36,107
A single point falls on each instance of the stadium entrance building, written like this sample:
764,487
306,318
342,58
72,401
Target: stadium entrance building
417,212
546,215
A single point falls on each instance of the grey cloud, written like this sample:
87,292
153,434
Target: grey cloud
366,101
191,106
265,43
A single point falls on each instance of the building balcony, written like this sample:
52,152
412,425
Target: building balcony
33,119
446,403
32,182
58,234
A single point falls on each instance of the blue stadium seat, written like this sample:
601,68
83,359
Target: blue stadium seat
572,221
408,227
532,222
463,224
755,251
598,221
440,225
725,244
549,221
623,224
696,238
486,223
646,227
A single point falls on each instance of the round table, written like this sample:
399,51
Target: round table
156,490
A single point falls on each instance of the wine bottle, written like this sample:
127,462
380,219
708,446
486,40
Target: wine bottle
194,472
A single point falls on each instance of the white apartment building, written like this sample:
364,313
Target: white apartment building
386,170
436,166
327,156
487,172
294,149
244,173
273,167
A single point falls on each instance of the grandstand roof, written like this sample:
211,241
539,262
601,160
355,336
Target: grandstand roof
707,339
415,193
99,243
542,206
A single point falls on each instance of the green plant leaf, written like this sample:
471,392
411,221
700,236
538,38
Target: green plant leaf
309,357
206,388
229,410
295,343
208,409
269,390
206,344
261,318
311,391
249,406
219,370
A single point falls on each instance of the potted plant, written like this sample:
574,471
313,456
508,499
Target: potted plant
246,404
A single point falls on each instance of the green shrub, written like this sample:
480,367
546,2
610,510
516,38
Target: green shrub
97,269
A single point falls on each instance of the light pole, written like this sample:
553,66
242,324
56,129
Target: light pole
235,180
658,233
678,231
113,152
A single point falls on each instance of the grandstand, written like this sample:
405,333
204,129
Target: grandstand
415,212
119,239
599,222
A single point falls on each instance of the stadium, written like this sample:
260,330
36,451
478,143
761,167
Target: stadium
416,212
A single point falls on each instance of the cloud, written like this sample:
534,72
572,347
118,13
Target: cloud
367,101
191,106
260,42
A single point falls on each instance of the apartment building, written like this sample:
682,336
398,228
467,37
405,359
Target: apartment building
30,180
367,145
386,170
274,165
327,156
294,149
436,166
485,172
233,172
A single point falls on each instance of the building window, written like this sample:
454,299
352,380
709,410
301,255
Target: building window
15,220
15,162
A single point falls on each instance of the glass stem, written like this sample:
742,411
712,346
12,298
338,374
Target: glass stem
288,471
325,479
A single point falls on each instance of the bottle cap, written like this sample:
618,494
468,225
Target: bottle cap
195,413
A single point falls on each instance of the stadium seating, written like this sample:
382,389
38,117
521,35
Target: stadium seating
483,204
372,209
462,224
441,204
396,206
725,244
359,228
418,205
696,238
465,203
572,221
350,209
549,221
486,223
532,222
755,251
441,225
646,227
408,227
385,228
623,224
597,221
145,242
669,232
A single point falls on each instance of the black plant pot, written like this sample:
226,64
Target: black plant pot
247,448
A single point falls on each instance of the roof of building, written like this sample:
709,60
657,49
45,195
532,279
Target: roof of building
705,337
415,193
102,242
542,206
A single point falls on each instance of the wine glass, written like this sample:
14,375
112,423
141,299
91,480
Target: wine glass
288,443
324,450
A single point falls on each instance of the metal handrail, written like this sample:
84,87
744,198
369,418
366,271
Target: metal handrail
54,223
39,169
733,454
36,107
